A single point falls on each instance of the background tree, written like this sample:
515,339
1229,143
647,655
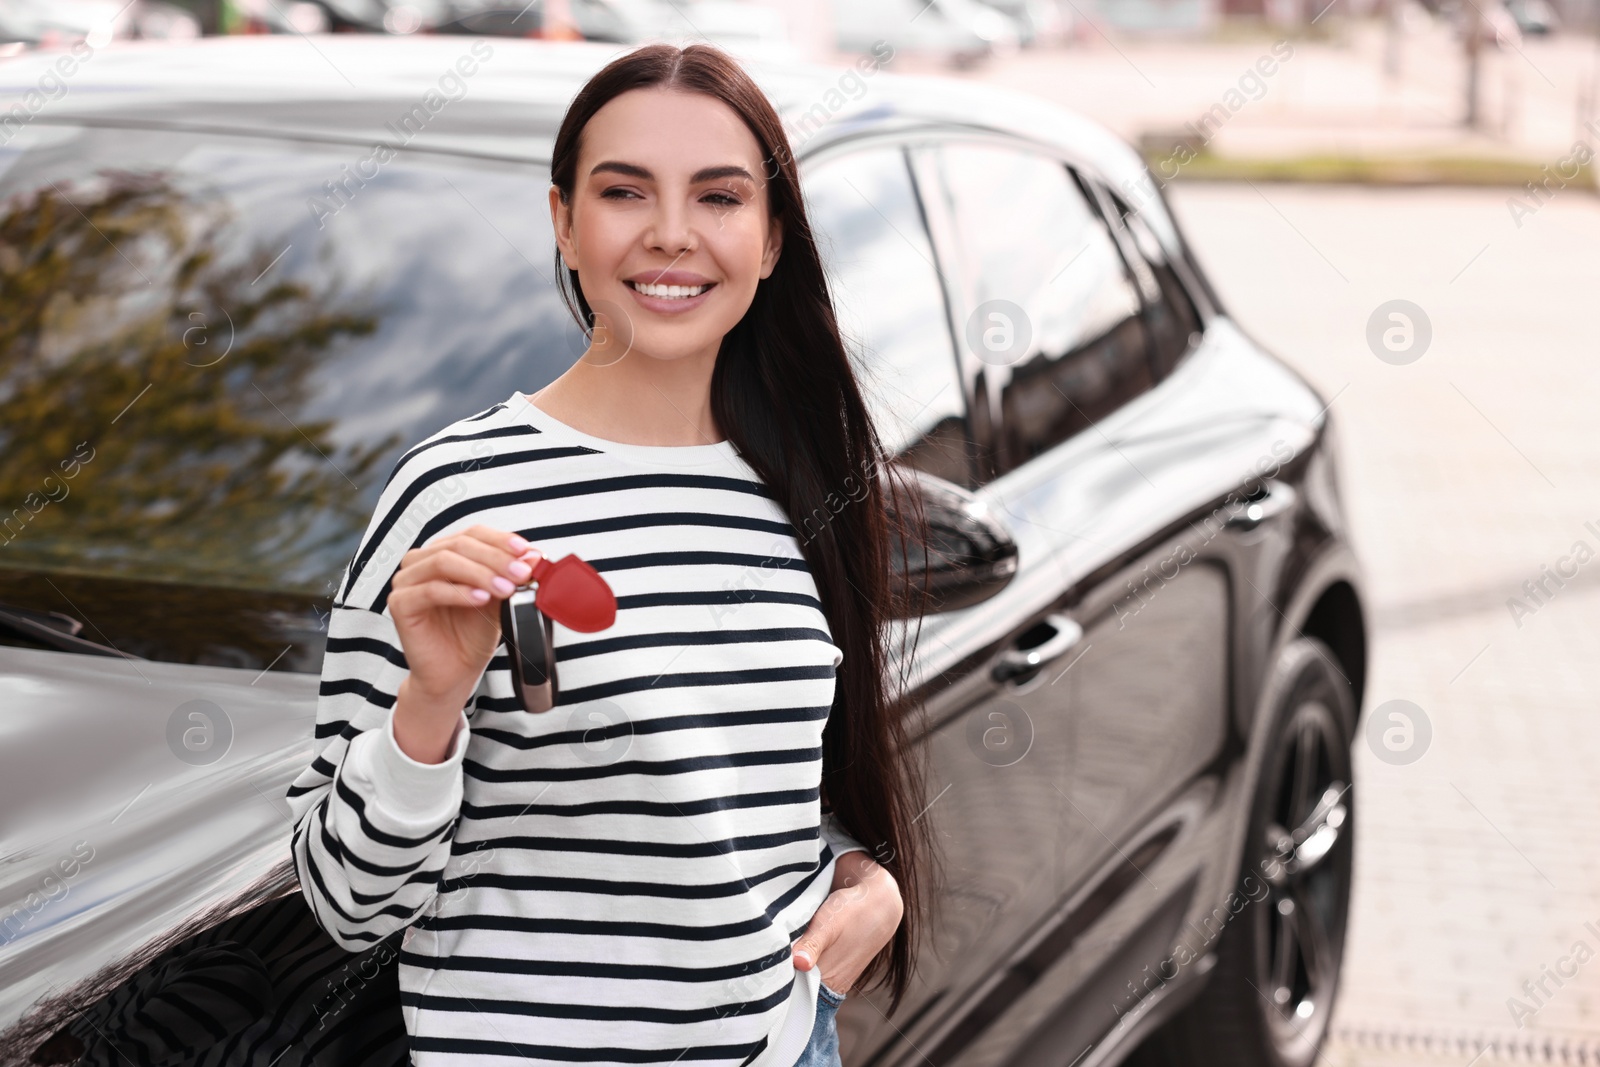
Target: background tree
122,325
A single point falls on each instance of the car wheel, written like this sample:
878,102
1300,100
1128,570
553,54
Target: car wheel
1268,1001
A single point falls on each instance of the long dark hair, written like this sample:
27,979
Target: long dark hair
784,392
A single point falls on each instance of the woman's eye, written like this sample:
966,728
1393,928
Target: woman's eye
617,193
722,199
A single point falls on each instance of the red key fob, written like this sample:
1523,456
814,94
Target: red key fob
568,591
573,593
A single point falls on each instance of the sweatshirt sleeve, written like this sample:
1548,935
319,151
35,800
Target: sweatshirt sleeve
373,827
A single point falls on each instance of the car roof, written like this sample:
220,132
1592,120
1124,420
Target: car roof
351,86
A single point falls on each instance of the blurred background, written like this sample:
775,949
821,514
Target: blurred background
1435,158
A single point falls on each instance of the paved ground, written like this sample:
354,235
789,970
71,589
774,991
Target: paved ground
1327,96
1467,472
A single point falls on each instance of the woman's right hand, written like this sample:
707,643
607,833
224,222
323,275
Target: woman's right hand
444,600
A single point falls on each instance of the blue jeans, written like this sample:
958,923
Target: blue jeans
823,1051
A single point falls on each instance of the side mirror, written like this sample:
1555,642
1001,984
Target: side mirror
970,555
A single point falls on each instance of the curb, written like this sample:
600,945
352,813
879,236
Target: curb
1464,171
1456,1046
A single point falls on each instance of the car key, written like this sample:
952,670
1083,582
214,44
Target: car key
568,591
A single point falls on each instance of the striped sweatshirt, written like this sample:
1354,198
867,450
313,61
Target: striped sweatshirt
617,880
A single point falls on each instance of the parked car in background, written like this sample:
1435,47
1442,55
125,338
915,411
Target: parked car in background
225,316
1534,16
588,20
1003,33
56,23
748,30
1040,22
559,19
962,32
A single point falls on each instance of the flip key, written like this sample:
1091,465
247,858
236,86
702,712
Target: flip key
568,591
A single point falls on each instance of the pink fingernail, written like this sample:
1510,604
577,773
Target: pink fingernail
519,544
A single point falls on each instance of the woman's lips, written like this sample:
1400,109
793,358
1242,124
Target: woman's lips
659,300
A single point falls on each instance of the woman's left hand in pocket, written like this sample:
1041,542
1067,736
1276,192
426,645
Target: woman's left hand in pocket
853,924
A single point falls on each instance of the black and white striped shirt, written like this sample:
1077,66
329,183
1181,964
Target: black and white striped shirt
617,880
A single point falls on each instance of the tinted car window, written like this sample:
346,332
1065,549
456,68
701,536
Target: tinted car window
1172,317
891,307
1056,315
213,350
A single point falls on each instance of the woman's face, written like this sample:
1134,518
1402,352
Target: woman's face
668,225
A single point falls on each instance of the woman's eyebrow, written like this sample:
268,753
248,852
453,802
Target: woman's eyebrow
705,174
711,174
630,169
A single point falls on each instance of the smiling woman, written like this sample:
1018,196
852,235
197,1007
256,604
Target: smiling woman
564,878
671,254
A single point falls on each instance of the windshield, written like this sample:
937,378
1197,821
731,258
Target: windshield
214,348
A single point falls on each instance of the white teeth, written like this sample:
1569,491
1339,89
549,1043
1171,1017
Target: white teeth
669,292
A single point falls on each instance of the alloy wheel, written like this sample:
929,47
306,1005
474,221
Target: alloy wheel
1305,856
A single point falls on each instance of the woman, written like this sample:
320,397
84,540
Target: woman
710,839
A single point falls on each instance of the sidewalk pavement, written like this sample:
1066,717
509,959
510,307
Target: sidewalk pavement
1327,96
1471,475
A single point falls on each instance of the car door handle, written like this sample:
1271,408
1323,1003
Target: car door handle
1277,498
1048,639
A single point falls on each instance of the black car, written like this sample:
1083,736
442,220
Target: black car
239,278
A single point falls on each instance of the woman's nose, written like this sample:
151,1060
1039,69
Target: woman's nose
670,230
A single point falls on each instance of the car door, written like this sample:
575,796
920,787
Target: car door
1068,755
893,310
209,363
1001,751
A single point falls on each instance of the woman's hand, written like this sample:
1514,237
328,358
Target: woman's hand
443,600
859,917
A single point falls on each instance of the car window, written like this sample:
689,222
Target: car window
1173,319
213,349
1054,314
891,307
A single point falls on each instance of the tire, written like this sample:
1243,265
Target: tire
1268,1001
